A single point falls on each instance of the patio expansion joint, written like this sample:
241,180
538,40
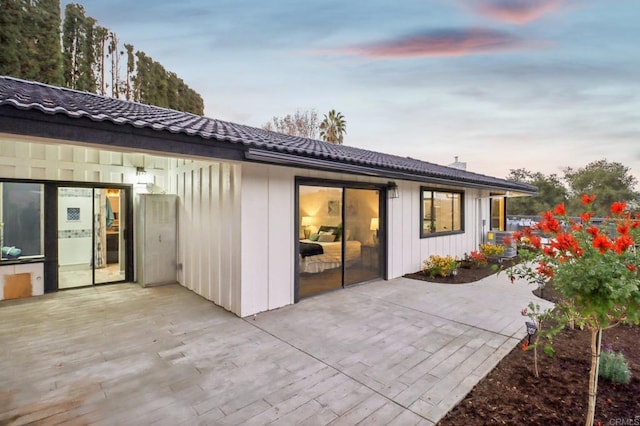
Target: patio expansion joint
331,366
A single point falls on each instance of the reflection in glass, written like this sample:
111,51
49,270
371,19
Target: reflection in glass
90,236
362,226
21,220
332,253
320,234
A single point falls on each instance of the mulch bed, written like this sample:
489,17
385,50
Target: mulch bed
466,273
511,394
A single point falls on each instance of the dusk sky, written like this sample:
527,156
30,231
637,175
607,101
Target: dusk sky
535,84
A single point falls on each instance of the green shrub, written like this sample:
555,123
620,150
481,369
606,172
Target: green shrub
440,265
614,367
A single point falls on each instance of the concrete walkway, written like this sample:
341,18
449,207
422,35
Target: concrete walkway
399,352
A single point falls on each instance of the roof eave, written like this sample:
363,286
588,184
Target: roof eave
278,158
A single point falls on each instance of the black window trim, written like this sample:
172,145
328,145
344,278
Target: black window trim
462,212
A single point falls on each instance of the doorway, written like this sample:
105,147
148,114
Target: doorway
340,236
91,238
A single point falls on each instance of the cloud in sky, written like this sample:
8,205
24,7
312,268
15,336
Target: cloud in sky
516,11
444,42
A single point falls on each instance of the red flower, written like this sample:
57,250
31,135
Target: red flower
525,345
618,207
560,210
549,251
602,243
586,200
528,231
535,241
631,267
517,236
576,227
507,241
544,269
593,230
586,217
623,242
549,223
623,229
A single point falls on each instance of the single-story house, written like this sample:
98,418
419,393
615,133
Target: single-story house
99,190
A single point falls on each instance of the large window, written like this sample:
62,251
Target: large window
442,212
21,216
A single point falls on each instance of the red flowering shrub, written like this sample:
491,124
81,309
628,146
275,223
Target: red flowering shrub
594,268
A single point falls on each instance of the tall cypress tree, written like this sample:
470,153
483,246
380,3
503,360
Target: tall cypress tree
72,42
11,16
47,50
131,64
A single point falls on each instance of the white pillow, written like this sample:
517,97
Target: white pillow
327,237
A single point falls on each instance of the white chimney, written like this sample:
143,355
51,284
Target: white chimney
458,165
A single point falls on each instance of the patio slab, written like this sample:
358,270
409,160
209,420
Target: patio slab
388,352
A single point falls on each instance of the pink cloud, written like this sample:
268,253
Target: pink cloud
439,43
517,11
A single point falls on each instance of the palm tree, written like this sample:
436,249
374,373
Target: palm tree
333,127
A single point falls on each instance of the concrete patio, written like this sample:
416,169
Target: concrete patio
399,352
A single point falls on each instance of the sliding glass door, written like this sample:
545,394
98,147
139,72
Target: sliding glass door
90,236
362,242
339,237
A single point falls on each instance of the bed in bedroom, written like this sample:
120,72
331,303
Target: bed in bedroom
322,252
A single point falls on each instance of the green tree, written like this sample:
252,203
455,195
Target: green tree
333,127
30,40
47,55
12,14
302,123
72,43
593,270
612,181
551,192
131,67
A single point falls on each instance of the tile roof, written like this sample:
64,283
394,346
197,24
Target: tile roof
26,95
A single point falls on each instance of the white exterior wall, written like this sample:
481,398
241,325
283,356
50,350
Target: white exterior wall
209,245
268,231
236,227
47,159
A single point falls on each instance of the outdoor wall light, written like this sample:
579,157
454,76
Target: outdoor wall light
142,176
392,190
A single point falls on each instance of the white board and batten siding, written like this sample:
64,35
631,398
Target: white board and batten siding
268,232
209,244
407,250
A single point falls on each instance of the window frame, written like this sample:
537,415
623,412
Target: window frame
461,193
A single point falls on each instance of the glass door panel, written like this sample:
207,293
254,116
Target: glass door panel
109,235
75,237
320,235
361,236
90,236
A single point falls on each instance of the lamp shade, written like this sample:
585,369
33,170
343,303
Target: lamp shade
375,224
306,220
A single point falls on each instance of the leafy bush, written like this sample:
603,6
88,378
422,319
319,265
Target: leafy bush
614,367
491,249
440,265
